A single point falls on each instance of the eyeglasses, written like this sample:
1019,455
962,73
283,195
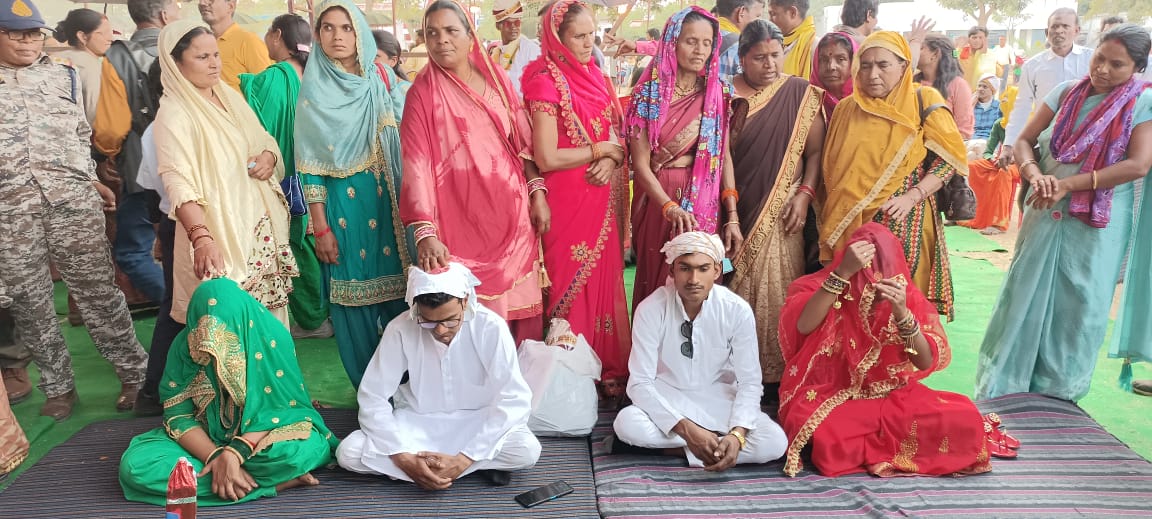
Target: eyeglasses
31,34
686,331
448,323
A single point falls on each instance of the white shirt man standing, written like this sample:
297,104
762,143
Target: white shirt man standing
1062,61
516,51
467,404
695,370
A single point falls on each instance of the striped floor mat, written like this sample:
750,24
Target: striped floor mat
78,479
1068,467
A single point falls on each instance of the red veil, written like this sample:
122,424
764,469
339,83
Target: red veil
856,353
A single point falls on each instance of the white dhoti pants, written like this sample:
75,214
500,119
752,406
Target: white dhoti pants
519,450
765,442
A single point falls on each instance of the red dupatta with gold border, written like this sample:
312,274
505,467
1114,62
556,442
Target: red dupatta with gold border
856,352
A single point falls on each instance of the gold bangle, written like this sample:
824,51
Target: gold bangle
739,437
1027,163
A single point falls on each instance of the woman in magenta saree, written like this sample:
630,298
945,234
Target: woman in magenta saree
576,122
465,142
678,129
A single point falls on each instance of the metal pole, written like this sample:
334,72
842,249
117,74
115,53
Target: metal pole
395,22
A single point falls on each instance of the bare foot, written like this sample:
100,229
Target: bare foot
307,480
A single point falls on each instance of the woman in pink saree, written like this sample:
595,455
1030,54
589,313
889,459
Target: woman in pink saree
576,122
467,161
678,126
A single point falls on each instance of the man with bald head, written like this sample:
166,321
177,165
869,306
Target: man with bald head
695,367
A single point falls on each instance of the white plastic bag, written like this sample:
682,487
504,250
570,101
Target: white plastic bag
562,373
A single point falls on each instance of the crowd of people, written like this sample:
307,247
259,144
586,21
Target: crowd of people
785,216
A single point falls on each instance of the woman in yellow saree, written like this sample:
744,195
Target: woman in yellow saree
883,162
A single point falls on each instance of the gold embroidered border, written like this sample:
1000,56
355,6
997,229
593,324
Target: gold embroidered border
210,337
759,100
314,194
873,193
370,292
376,156
585,270
786,180
793,464
296,431
397,225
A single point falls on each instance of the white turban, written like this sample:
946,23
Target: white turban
456,281
695,241
993,82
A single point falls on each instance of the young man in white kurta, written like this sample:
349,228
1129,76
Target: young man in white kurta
705,397
467,404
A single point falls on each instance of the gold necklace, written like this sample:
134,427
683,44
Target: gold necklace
679,92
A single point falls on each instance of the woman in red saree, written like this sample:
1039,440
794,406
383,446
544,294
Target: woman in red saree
576,120
678,128
857,339
465,142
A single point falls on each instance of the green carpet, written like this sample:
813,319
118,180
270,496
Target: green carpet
977,284
963,239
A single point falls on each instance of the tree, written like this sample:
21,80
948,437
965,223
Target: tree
1135,12
984,10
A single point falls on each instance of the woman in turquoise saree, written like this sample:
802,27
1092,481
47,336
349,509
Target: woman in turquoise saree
348,155
1095,139
272,95
234,405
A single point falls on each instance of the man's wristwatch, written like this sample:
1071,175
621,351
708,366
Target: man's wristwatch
739,437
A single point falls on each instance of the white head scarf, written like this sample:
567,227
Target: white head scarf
456,281
993,81
695,241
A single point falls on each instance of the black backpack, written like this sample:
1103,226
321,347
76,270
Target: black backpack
132,62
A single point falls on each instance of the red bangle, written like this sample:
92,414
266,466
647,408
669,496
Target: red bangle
807,190
730,193
320,234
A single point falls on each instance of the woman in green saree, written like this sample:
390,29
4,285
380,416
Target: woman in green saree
234,405
272,95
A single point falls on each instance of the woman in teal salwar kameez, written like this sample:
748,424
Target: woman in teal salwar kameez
272,94
1095,139
348,154
1132,333
232,385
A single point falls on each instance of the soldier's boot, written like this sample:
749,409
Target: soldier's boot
17,384
127,399
59,408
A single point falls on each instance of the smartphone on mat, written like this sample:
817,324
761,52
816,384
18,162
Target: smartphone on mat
543,494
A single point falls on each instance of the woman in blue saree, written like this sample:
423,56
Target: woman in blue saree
1095,139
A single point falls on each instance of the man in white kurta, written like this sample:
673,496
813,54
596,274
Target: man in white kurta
516,51
465,406
695,371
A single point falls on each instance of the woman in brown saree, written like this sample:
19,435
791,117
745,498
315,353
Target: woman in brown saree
776,151
678,126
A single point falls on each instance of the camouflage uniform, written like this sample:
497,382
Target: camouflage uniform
49,210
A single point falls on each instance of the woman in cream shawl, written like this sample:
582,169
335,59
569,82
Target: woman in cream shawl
221,171
883,164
